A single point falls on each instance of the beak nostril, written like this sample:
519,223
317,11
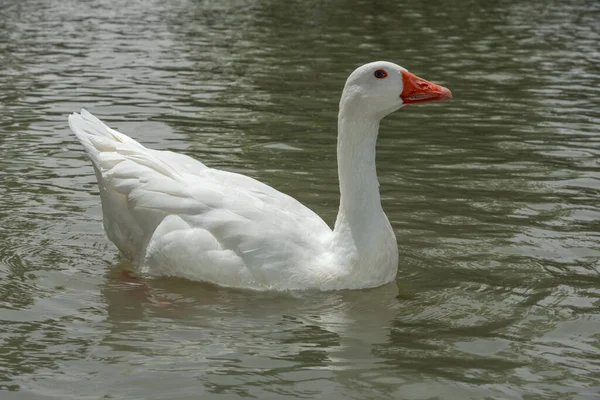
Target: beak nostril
418,90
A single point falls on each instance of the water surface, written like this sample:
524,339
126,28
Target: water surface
493,196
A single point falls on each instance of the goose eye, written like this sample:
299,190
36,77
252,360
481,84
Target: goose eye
380,74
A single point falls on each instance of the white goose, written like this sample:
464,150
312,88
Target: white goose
174,216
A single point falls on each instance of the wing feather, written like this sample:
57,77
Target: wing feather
242,223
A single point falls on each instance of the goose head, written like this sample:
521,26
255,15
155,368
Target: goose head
379,88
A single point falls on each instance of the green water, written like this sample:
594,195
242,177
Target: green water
494,197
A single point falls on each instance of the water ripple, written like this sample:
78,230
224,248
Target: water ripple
493,197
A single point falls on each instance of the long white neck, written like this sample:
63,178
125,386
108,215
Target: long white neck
359,188
363,236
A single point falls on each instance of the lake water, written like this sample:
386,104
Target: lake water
494,196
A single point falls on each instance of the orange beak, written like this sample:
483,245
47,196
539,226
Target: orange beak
417,90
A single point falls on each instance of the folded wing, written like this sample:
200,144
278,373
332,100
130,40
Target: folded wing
182,218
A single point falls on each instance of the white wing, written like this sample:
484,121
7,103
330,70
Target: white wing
185,219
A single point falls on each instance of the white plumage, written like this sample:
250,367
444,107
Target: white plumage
175,216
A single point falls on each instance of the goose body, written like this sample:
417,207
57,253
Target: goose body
174,216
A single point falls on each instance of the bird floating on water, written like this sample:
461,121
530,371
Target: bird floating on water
175,216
